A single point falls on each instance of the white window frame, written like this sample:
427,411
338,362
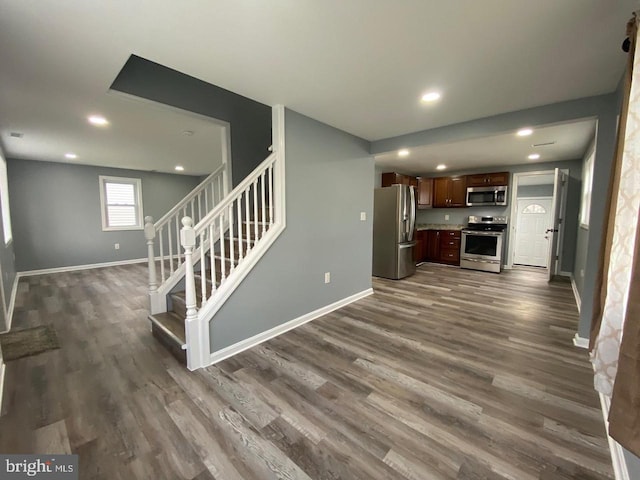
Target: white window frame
587,187
4,202
137,184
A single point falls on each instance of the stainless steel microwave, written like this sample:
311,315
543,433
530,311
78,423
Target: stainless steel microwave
482,196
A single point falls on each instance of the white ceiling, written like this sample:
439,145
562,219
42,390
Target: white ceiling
570,141
359,65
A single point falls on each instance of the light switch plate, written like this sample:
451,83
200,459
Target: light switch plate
363,216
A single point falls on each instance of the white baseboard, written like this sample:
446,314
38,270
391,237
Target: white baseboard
74,268
620,470
565,274
576,294
285,327
580,342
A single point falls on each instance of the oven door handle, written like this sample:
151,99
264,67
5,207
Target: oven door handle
488,234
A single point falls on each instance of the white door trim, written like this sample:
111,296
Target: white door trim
514,211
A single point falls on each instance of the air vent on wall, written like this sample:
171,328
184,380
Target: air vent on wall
17,134
543,144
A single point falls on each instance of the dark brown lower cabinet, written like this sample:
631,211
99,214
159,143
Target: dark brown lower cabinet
442,246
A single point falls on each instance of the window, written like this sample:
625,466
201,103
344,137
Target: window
587,180
121,203
534,208
4,201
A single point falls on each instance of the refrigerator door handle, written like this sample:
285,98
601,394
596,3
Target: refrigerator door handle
412,223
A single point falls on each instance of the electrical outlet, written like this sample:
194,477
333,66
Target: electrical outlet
116,246
446,217
363,216
327,277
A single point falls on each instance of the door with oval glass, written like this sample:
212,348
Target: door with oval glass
532,242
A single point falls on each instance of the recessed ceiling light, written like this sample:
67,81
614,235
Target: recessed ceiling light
70,155
179,168
524,132
441,167
431,96
403,153
98,120
534,156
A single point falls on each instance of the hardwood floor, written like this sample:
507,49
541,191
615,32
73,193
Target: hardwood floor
449,374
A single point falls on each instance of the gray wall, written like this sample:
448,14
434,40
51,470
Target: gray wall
535,191
459,216
56,213
328,183
7,267
250,121
603,107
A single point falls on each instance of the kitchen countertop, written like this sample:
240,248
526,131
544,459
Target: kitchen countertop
439,226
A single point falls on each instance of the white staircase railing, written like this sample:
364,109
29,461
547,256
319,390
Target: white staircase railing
235,233
165,233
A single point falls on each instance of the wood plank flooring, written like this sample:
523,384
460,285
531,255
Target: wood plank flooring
449,374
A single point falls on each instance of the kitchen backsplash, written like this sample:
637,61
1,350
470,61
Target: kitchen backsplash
458,216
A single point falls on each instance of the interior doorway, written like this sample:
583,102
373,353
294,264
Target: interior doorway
536,231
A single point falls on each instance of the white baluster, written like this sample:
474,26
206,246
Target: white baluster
239,226
247,219
188,240
203,270
255,209
223,264
171,244
270,185
149,235
160,234
231,245
199,197
264,207
213,260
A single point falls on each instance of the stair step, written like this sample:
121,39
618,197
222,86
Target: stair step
168,329
248,229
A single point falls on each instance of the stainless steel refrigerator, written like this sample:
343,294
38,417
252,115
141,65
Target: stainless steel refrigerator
394,224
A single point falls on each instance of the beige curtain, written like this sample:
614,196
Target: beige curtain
624,414
625,219
615,334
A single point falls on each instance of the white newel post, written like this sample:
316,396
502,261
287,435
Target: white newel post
149,235
188,241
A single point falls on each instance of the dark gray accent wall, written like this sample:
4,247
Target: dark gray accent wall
7,267
328,183
56,213
459,216
250,120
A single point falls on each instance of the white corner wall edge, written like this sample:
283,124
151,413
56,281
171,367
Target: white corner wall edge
2,369
576,294
620,470
580,342
12,305
285,327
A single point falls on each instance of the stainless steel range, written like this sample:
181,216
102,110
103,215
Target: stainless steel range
481,247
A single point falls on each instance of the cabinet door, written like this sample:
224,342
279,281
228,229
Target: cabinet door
458,192
479,180
441,192
419,251
390,178
433,246
498,179
425,191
